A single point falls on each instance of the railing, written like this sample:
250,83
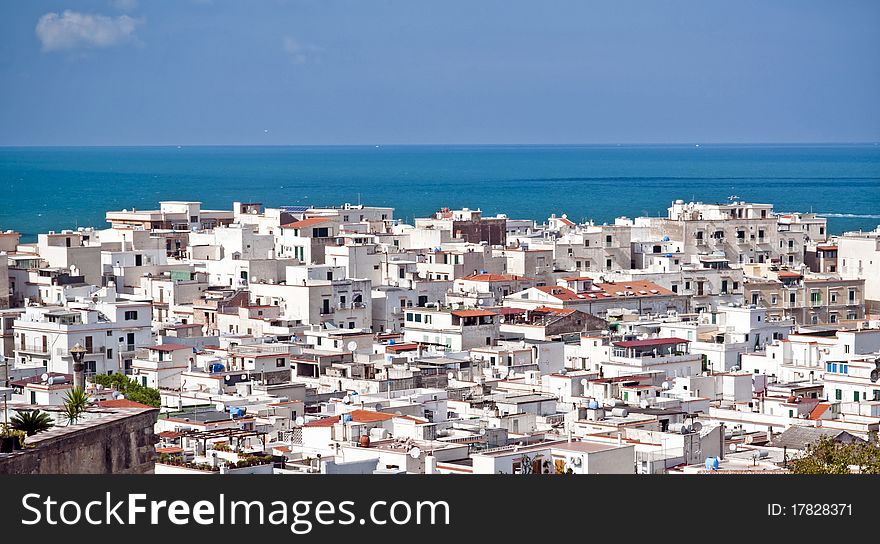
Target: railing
33,348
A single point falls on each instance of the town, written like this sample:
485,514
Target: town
720,338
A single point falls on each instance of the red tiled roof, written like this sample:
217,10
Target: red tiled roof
472,313
357,416
650,342
325,422
562,293
634,287
169,435
821,408
401,347
549,310
369,416
172,449
309,222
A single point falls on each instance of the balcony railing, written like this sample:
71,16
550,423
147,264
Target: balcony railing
34,349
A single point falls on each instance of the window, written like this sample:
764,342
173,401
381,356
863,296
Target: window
131,315
280,363
838,394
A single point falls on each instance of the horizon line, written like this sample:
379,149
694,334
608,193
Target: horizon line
464,144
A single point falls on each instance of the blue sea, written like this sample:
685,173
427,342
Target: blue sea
54,188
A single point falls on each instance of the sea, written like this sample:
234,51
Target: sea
54,188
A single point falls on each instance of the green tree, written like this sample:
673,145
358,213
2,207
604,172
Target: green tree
31,422
131,389
75,403
829,457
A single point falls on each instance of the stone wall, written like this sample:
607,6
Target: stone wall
110,441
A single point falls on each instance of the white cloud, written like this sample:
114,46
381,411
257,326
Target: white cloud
299,52
125,5
72,29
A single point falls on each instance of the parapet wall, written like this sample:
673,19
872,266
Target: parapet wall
117,441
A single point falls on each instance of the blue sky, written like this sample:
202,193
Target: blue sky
168,72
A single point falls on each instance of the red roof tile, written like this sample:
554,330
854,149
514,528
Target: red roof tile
472,313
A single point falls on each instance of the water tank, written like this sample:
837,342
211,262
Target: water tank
593,405
619,412
216,367
712,463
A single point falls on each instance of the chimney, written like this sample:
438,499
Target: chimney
430,464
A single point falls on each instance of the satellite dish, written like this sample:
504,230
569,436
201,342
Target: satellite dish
684,429
352,345
415,452
44,376
300,421
346,399
480,301
244,376
665,385
450,375
585,382
733,447
697,426
378,406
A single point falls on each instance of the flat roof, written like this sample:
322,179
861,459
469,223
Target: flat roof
648,342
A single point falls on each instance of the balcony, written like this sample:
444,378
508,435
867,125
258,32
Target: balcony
65,352
33,349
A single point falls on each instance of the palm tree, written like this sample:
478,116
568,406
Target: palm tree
32,422
75,403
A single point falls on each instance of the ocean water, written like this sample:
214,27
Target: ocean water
54,188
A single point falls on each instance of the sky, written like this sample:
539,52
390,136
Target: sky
327,72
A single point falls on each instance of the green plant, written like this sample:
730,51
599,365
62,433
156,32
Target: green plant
829,457
75,403
32,422
7,433
130,388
